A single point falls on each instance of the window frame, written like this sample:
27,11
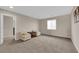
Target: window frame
51,26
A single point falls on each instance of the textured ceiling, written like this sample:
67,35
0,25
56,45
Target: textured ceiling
40,12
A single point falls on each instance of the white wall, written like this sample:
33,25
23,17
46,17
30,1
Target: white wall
63,26
75,32
26,24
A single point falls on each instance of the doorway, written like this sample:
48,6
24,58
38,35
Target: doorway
8,28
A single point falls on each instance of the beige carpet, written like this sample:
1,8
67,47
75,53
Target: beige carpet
41,44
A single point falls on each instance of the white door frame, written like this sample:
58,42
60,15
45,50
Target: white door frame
2,18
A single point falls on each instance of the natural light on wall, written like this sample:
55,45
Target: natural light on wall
51,24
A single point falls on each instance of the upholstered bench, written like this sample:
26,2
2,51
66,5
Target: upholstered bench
23,36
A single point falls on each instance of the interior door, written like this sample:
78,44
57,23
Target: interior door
7,27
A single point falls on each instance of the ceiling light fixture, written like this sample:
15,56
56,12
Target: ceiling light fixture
11,7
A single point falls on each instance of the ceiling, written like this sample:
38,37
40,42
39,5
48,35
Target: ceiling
40,12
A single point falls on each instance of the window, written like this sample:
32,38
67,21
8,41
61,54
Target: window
51,24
